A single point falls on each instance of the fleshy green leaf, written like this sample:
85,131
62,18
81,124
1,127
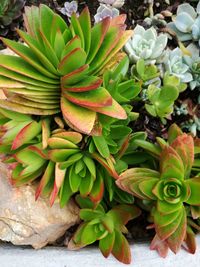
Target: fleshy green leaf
176,239
86,185
121,214
166,231
74,180
88,235
129,180
88,214
74,60
101,146
167,208
106,244
147,186
121,249
171,164
27,134
173,132
184,146
194,185
78,117
97,191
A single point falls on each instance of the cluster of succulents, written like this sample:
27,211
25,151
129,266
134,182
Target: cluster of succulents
186,28
73,94
186,23
168,190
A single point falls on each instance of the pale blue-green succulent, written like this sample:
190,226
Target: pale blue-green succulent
193,61
147,45
175,65
69,8
186,24
105,11
192,125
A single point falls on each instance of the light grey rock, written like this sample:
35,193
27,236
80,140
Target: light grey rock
7,51
24,221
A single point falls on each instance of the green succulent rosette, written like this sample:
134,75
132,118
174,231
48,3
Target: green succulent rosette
59,68
106,227
171,189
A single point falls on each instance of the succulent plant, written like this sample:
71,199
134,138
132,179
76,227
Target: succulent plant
105,11
192,125
57,158
17,129
70,8
158,20
10,10
182,110
114,3
161,99
147,45
187,22
175,65
122,88
62,166
58,70
191,122
193,63
145,74
107,228
115,133
169,189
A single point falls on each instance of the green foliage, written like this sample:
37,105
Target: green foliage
67,123
170,188
161,100
10,10
122,89
144,73
105,227
59,68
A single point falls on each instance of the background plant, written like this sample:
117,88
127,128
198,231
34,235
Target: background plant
169,188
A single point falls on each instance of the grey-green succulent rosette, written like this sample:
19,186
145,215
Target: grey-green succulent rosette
186,23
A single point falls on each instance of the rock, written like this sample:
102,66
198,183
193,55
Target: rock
24,221
7,51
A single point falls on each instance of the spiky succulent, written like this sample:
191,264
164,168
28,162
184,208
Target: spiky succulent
58,68
170,188
10,10
107,228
